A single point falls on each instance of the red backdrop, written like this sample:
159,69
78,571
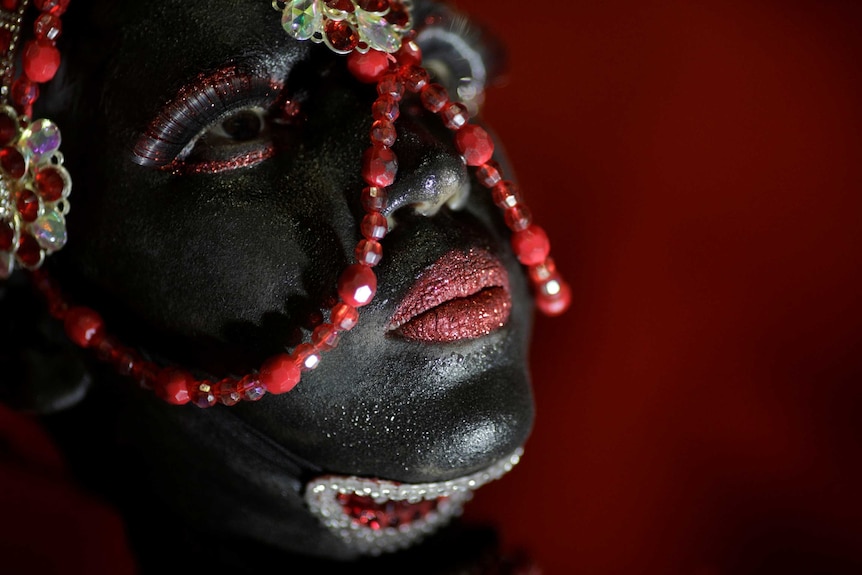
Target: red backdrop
698,167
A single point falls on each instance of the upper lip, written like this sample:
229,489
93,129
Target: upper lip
475,286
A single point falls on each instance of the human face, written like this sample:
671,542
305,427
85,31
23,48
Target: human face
214,247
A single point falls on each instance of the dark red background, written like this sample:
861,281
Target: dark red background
697,166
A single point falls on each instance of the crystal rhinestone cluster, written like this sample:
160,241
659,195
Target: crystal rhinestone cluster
375,516
348,25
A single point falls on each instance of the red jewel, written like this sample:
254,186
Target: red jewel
415,78
368,67
540,273
227,393
385,107
56,7
343,5
410,54
374,226
41,60
357,285
341,35
374,199
344,317
10,5
489,174
556,304
202,394
29,252
324,337
531,245
434,97
397,15
7,235
47,27
280,374
373,5
379,166
306,357
84,326
475,144
24,93
518,218
50,184
383,133
506,195
455,116
369,252
391,85
12,162
27,204
8,129
172,385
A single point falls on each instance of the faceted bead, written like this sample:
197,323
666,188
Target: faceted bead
203,394
8,129
306,357
377,32
374,226
531,245
172,385
324,337
506,195
42,138
51,183
475,144
24,92
29,253
489,174
368,67
369,252
540,273
12,162
47,27
279,374
374,199
434,97
56,7
84,326
373,5
398,14
27,204
415,78
357,285
7,236
556,303
41,60
518,218
344,317
341,36
383,133
228,393
379,166
252,388
302,19
50,231
10,5
385,107
410,54
391,85
455,116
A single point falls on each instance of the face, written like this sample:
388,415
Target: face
210,226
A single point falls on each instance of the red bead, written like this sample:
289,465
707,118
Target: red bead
373,5
540,273
434,97
475,144
343,5
27,205
374,226
455,116
47,27
556,303
227,392
531,245
279,374
324,337
8,129
41,60
340,35
489,174
374,199
203,394
84,326
306,357
56,7
24,92
379,166
12,162
518,218
357,285
415,78
344,317
251,388
369,252
383,133
50,184
7,236
146,374
172,385
368,67
410,54
29,253
391,85
10,5
506,195
385,107
397,14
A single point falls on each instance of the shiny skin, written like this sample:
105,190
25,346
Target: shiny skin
217,272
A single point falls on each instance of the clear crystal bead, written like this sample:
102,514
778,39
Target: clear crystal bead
302,19
375,31
42,138
50,231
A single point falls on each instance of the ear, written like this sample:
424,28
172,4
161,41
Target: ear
41,371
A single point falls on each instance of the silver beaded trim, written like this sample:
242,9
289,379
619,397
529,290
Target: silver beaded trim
321,497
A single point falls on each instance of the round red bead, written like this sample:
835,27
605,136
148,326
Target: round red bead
368,67
41,60
24,92
506,195
410,54
391,85
557,303
415,77
50,184
280,374
379,166
341,35
27,205
306,357
357,285
47,27
324,337
531,245
434,97
475,144
172,385
8,129
344,317
29,253
385,107
13,162
369,252
84,326
374,199
56,7
374,226
383,133
518,218
455,116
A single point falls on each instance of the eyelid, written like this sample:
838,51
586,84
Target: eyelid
197,106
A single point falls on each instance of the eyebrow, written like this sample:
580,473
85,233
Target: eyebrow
195,106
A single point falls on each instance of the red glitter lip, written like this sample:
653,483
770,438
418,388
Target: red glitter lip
463,295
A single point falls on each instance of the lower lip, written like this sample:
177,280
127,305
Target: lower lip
461,318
